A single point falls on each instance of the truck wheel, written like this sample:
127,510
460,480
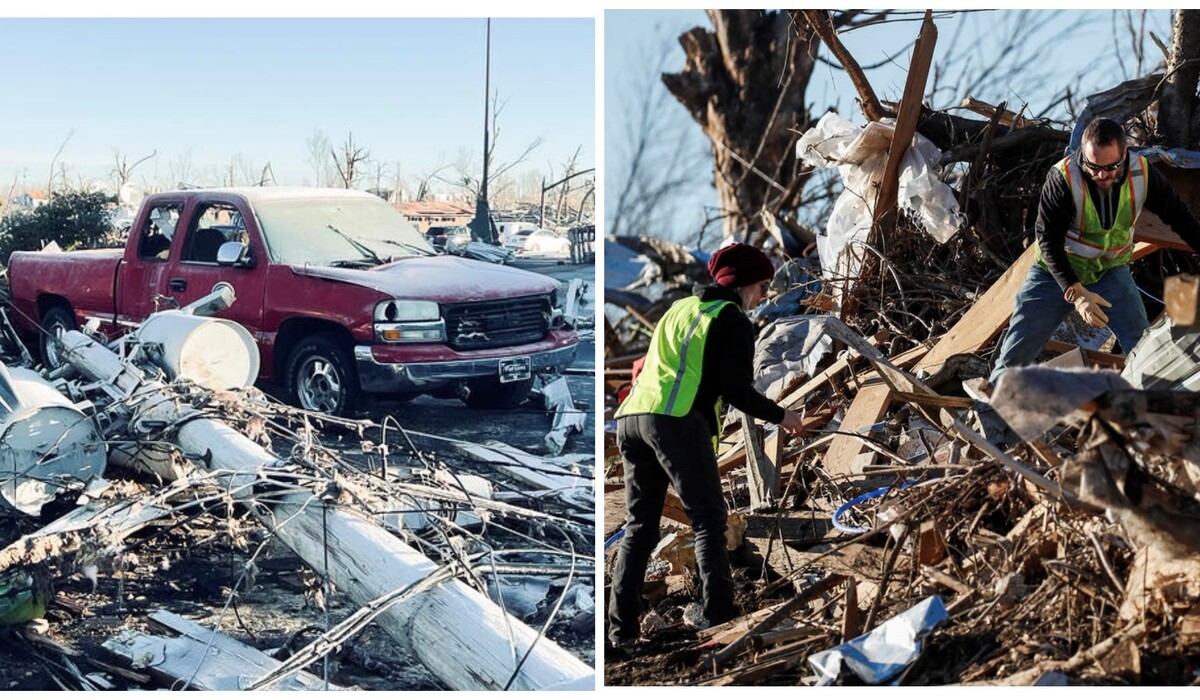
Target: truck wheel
321,376
490,393
56,318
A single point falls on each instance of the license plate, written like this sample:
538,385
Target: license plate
514,370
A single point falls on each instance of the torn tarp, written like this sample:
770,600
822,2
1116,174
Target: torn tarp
789,347
860,155
883,652
1032,399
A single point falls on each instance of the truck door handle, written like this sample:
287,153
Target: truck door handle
178,285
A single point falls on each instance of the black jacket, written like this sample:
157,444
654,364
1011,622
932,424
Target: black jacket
1056,211
728,370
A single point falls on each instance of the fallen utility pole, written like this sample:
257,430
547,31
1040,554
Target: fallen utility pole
457,632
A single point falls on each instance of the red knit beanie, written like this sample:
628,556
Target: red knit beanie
739,265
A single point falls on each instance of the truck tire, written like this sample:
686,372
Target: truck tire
56,317
490,393
321,376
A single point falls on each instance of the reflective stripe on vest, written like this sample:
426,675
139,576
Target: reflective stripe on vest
669,379
1092,249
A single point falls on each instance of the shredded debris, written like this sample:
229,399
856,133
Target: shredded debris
911,536
309,551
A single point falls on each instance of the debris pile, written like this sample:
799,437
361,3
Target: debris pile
903,538
237,543
1072,555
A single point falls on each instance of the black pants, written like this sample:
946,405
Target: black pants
657,451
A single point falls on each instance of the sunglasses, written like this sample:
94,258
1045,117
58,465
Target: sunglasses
1110,168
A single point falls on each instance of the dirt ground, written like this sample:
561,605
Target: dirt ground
191,566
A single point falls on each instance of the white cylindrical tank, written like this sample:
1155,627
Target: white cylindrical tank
213,352
46,444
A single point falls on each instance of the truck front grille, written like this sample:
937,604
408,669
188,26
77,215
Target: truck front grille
495,324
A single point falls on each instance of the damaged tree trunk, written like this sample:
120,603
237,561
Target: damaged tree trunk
744,84
1177,104
456,631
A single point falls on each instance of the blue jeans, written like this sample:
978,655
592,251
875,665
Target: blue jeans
1040,308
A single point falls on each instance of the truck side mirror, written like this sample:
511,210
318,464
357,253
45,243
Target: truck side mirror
235,254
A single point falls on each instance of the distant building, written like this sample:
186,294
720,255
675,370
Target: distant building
29,199
425,214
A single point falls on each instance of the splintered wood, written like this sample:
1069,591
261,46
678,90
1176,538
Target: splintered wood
1013,539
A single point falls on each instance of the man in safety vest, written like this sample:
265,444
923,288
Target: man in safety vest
1089,205
701,354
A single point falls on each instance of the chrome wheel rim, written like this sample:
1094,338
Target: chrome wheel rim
319,385
54,359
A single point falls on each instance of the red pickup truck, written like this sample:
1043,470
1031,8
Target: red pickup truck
341,292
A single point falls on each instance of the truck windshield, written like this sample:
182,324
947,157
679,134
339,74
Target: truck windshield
337,230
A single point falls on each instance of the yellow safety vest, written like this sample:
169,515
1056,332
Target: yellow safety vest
1093,250
670,378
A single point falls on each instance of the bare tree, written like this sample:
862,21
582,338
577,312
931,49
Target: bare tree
180,170
267,176
1177,104
122,170
318,148
350,162
467,176
423,184
656,160
744,83
54,160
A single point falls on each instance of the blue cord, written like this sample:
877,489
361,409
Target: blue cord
612,540
854,530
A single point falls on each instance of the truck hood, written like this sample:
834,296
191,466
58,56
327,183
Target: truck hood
443,278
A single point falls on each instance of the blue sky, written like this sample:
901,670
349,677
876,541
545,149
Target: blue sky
1094,42
410,90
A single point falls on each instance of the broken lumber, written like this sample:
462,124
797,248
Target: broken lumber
762,473
869,406
991,312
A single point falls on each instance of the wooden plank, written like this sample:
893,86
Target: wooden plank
1182,296
1095,357
984,320
615,512
1006,117
793,398
991,313
934,401
206,661
762,474
869,406
906,122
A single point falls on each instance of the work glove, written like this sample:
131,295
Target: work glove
1088,305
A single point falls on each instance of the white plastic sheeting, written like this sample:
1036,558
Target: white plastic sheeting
885,651
860,155
790,346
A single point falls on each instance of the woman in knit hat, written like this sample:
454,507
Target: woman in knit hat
701,356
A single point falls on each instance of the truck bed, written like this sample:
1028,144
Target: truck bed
86,277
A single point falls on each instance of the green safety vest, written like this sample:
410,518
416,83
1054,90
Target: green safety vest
1091,249
670,378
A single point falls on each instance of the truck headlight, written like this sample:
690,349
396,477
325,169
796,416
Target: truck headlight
398,310
408,321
